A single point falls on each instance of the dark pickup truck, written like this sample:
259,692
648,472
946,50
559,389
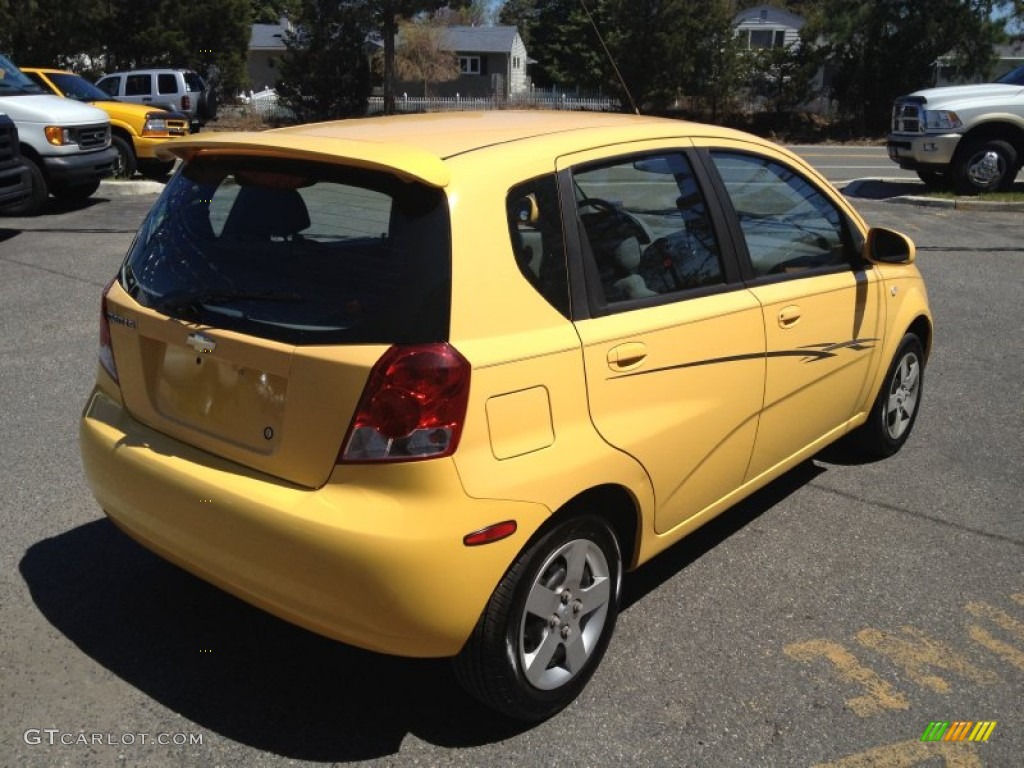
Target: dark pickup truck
15,183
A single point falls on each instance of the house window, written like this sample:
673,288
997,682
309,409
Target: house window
469,65
765,38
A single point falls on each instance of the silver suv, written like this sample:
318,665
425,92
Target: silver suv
176,90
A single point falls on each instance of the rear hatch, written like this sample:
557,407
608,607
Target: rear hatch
260,292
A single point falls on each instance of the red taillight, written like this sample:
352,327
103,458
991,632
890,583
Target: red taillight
413,406
186,103
106,349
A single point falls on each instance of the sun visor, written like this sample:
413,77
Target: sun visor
402,160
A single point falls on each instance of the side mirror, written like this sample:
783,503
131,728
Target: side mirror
885,246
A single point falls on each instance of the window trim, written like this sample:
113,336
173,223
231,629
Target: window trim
469,59
585,291
855,261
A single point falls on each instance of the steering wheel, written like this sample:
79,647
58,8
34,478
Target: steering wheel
612,218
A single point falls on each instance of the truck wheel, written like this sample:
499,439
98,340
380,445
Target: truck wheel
37,194
76,192
985,165
547,625
124,165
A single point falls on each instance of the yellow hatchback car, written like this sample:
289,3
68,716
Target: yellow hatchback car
429,384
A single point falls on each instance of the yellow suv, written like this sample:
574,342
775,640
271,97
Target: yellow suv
135,131
429,384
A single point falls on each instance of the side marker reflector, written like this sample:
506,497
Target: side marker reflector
495,532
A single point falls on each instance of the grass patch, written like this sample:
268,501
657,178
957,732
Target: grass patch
1013,196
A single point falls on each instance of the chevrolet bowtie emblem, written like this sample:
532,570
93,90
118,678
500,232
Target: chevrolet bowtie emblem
201,343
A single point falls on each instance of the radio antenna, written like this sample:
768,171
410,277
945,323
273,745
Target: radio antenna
608,53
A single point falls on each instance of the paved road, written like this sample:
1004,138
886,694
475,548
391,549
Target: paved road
848,162
829,619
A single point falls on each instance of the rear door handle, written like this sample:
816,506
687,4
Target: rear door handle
789,316
626,356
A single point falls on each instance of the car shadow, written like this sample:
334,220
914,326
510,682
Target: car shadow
674,560
232,669
7,234
880,189
886,189
237,671
56,205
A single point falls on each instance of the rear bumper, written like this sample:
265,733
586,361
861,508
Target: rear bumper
913,152
80,168
379,564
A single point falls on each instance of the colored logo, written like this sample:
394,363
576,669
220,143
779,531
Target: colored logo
961,730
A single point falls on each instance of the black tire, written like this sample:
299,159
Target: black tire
37,195
984,165
939,180
207,108
76,192
895,410
156,169
519,660
124,164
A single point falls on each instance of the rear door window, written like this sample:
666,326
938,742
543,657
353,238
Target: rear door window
138,85
648,229
297,252
167,83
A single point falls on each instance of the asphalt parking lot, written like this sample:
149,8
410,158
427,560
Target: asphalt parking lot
825,621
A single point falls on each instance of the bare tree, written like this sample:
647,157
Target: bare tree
421,56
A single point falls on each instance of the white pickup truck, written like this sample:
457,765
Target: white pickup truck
65,145
968,137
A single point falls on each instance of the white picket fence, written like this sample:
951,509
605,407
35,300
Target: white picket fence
405,103
265,104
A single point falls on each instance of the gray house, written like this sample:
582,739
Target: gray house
266,47
492,62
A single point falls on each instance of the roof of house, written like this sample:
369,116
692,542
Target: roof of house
457,38
267,36
480,39
769,15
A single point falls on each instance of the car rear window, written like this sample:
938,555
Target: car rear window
298,252
193,82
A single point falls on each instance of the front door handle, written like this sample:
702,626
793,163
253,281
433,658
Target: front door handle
789,316
626,356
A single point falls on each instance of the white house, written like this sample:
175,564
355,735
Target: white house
765,26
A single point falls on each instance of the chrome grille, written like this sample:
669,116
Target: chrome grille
907,117
92,136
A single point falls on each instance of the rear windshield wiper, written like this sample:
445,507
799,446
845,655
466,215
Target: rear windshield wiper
193,302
